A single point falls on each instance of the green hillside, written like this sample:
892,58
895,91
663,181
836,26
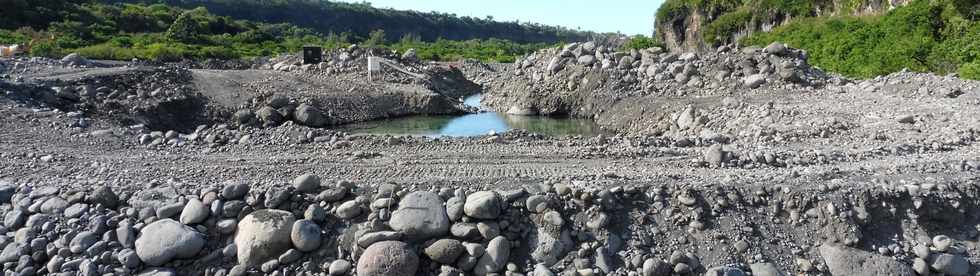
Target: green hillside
927,36
122,31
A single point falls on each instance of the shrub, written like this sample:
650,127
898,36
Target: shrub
970,70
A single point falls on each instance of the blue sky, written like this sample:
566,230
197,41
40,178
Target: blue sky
626,16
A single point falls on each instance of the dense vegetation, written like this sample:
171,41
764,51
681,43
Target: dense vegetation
163,32
941,36
927,36
360,19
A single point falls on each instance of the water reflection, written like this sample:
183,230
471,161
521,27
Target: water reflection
474,124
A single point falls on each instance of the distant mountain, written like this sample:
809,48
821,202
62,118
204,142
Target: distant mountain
360,19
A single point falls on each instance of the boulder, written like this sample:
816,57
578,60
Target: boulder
849,261
165,240
586,60
388,258
306,235
445,251
263,235
495,259
765,269
755,81
483,205
420,216
776,48
194,212
310,116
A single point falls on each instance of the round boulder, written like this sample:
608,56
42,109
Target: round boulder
306,235
388,258
166,239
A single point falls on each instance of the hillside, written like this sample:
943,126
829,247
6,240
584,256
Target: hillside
857,38
123,31
360,19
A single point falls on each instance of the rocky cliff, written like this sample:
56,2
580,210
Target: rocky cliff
701,24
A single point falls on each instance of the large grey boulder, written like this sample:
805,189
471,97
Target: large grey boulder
483,205
194,212
420,215
166,239
849,261
262,235
310,116
388,258
495,259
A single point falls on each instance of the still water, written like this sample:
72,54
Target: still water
474,124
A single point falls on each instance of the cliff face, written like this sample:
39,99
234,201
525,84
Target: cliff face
697,25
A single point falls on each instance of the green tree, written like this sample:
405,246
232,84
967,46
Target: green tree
185,28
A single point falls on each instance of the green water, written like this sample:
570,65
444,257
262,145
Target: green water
474,124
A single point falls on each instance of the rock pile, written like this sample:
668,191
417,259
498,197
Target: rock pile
315,227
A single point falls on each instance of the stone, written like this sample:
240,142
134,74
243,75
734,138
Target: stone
388,258
494,260
420,216
952,265
128,258
105,196
466,231
7,191
310,116
454,208
656,267
445,251
331,195
306,235
775,48
74,59
555,65
166,239
765,269
14,219
755,81
54,206
586,60
306,183
269,116
82,241
368,239
339,267
942,243
194,212
849,261
483,205
348,210
234,191
262,235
